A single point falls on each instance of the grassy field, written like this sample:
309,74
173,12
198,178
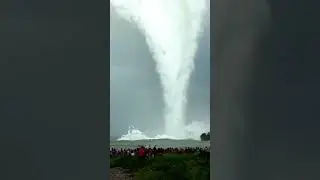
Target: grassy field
166,167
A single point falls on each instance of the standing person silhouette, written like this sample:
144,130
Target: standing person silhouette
141,154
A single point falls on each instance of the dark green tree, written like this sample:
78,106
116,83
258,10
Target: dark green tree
205,136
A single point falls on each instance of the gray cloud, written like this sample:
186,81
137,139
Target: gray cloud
136,93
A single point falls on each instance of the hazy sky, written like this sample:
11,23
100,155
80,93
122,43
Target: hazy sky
136,94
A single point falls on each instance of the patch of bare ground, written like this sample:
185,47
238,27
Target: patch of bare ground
120,174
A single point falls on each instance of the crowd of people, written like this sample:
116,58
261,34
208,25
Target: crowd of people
148,152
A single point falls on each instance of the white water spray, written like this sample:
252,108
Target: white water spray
171,29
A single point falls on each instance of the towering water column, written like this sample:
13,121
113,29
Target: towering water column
171,29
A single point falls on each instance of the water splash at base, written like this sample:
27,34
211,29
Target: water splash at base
191,131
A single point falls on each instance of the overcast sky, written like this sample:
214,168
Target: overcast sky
136,94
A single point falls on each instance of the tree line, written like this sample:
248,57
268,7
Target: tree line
205,136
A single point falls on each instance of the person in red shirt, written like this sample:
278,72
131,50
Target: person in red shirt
141,153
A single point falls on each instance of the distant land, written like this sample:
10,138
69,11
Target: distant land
113,138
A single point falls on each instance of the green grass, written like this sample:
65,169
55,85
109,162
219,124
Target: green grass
166,167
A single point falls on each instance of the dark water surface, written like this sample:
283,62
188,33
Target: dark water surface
159,143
